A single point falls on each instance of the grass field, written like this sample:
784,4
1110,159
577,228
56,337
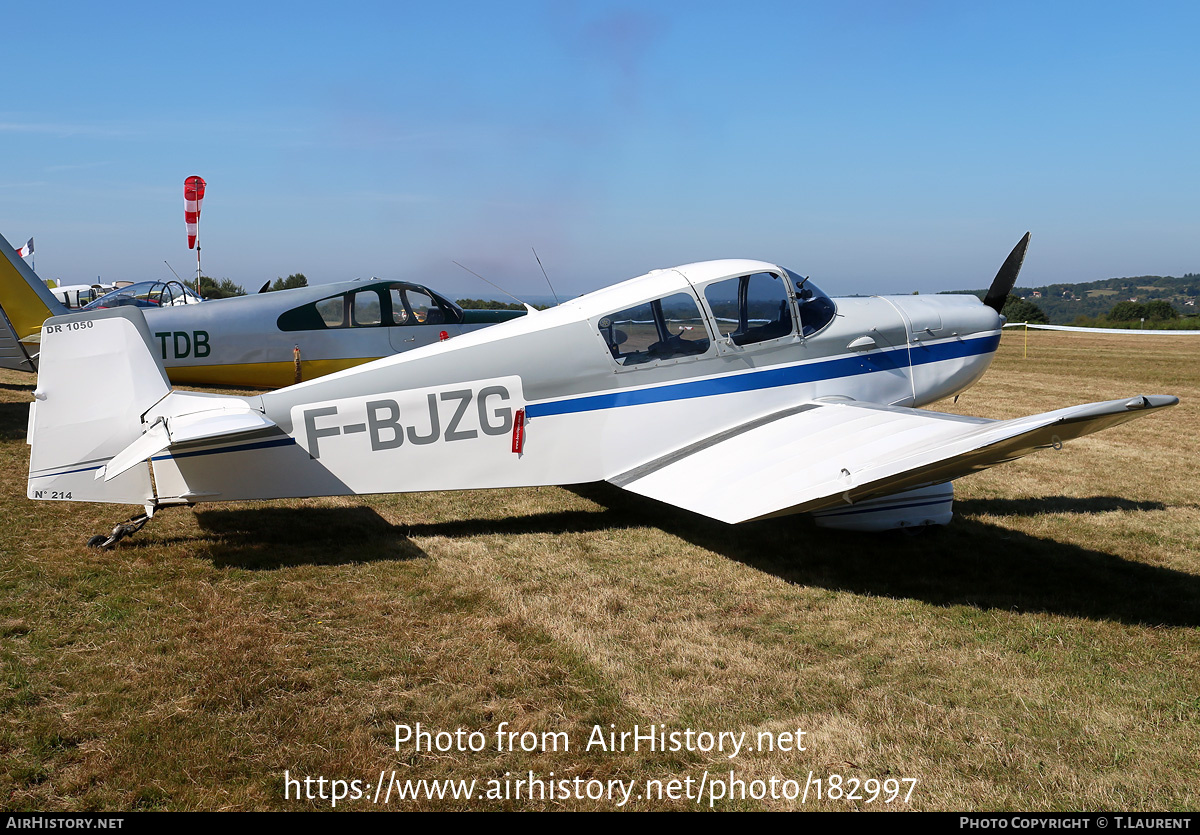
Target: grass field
1042,652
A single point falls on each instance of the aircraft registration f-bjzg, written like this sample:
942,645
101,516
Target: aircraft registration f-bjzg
265,340
734,389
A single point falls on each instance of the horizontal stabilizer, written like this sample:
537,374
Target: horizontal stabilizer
226,422
820,455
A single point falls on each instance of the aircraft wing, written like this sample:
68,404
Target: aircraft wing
829,453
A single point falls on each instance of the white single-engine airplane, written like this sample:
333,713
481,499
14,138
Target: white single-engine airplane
735,389
265,340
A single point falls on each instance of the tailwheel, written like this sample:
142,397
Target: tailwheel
127,528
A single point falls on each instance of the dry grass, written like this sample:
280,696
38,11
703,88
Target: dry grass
1040,653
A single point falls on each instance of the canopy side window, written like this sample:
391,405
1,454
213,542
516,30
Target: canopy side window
662,329
750,308
332,312
367,309
816,313
416,307
816,309
316,316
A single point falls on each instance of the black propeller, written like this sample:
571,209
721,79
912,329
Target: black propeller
1003,283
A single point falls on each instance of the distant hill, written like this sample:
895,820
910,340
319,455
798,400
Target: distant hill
1064,303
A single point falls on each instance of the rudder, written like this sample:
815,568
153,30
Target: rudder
98,376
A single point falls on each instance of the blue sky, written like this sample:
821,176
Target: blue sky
878,146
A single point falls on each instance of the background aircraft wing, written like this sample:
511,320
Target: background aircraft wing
825,454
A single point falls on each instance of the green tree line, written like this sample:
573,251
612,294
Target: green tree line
226,288
1066,303
492,304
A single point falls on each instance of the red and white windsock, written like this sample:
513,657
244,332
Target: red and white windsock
193,196
26,251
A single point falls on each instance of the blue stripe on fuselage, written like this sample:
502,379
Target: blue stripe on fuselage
848,366
767,378
288,441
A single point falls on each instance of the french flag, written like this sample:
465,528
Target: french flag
27,250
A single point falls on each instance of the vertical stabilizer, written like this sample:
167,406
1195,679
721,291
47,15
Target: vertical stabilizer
98,376
25,302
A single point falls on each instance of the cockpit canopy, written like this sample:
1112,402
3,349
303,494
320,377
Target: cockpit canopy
744,309
381,304
146,294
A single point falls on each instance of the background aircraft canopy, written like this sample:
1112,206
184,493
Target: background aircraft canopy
146,294
377,304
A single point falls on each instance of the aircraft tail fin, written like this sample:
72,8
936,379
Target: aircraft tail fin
27,302
98,375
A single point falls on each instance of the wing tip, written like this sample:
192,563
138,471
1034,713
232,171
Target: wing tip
1152,401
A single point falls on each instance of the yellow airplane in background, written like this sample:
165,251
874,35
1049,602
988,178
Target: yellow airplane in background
266,340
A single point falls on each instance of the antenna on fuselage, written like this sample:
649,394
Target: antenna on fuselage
539,260
530,308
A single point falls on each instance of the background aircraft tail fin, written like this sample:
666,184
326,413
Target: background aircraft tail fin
99,374
26,301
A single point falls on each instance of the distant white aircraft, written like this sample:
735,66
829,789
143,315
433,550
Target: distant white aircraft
735,389
248,341
75,296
